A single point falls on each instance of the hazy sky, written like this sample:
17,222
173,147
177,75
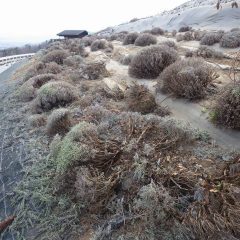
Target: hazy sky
36,20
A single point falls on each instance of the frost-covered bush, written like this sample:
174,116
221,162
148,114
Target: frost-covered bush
100,45
188,36
184,29
211,38
174,33
73,61
28,90
226,110
140,99
92,70
56,56
130,38
180,37
58,122
53,95
206,52
126,60
187,78
145,39
169,43
150,62
157,31
88,40
231,40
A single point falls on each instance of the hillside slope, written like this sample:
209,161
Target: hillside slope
198,14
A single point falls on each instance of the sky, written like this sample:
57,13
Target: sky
38,20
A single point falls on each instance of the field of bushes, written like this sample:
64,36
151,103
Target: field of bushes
120,165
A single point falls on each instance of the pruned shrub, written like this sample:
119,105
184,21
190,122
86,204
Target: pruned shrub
145,40
184,29
100,45
53,95
157,31
140,99
130,38
73,61
211,38
126,60
226,110
206,52
187,78
231,40
93,70
150,62
56,56
188,36
58,122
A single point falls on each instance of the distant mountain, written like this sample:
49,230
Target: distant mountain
4,44
199,14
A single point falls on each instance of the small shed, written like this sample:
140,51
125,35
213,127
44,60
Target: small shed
73,34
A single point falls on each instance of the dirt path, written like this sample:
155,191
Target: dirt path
182,110
12,145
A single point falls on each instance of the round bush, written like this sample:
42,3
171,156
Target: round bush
58,122
169,43
150,62
100,44
226,111
54,94
157,31
56,56
231,40
130,38
140,99
184,29
188,36
145,39
211,38
187,78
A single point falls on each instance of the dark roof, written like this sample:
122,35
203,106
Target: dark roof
72,33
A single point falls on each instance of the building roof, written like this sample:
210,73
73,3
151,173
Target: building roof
72,32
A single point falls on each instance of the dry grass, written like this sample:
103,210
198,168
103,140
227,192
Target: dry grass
150,62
